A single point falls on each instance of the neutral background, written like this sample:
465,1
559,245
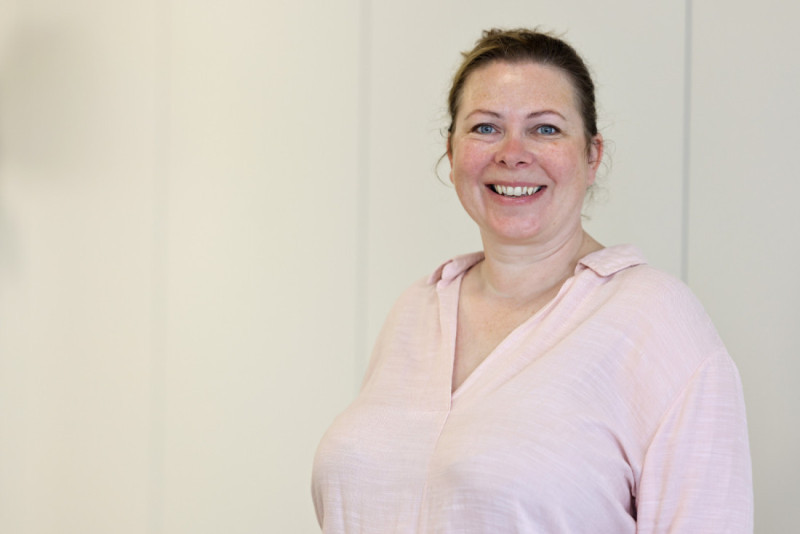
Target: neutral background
207,208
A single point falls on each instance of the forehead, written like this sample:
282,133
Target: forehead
518,84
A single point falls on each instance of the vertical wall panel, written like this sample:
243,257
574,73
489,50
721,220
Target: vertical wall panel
415,222
76,226
261,257
744,217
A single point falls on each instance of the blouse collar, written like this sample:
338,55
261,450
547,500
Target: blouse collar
605,262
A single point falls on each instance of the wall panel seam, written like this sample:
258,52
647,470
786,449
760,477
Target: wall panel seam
687,116
362,193
162,21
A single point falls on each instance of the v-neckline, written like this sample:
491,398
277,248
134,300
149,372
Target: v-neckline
450,317
448,279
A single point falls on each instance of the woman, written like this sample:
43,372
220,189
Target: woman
547,384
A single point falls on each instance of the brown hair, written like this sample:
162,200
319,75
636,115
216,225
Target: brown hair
523,45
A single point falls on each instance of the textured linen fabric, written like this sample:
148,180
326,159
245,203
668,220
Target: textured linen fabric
614,409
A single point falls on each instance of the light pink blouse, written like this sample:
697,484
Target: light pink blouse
614,409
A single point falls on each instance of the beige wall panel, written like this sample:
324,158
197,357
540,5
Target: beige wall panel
261,268
744,220
415,222
76,230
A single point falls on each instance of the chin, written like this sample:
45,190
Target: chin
514,235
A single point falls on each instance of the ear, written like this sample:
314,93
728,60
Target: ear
595,156
450,155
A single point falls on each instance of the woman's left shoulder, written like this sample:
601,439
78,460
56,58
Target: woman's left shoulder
657,307
627,272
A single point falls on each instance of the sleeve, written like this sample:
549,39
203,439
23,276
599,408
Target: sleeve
696,475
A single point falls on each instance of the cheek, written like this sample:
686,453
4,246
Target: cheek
570,165
467,160
464,174
467,196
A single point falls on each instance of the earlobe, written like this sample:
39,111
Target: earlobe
595,151
450,158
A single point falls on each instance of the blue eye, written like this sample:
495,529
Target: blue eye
547,129
484,129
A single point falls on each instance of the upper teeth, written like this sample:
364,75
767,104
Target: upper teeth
509,191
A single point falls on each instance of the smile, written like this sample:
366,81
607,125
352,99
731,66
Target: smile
509,191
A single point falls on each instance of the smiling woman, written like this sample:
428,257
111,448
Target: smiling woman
547,383
518,127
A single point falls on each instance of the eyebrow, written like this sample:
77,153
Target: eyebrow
531,115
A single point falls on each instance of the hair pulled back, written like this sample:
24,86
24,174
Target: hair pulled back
523,45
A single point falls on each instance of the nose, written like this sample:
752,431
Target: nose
513,152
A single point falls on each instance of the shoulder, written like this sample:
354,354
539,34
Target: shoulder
424,292
454,267
661,298
622,274
656,311
657,292
412,330
418,306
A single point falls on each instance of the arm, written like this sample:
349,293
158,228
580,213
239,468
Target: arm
696,475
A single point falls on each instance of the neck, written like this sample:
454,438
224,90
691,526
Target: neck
524,272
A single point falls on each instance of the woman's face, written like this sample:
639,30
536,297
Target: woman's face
519,156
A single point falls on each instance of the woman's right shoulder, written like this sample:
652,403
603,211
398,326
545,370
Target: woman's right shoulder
412,301
424,290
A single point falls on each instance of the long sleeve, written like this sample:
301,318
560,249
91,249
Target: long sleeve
696,475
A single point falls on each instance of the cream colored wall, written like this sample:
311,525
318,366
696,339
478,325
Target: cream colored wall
206,211
76,266
743,248
178,209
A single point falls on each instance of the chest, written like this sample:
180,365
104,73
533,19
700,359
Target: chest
518,456
482,326
532,456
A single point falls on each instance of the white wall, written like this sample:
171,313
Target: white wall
206,210
743,247
76,266
178,221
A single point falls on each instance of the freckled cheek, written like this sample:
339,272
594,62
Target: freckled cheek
470,162
563,166
467,178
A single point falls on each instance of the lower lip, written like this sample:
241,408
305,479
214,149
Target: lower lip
516,200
